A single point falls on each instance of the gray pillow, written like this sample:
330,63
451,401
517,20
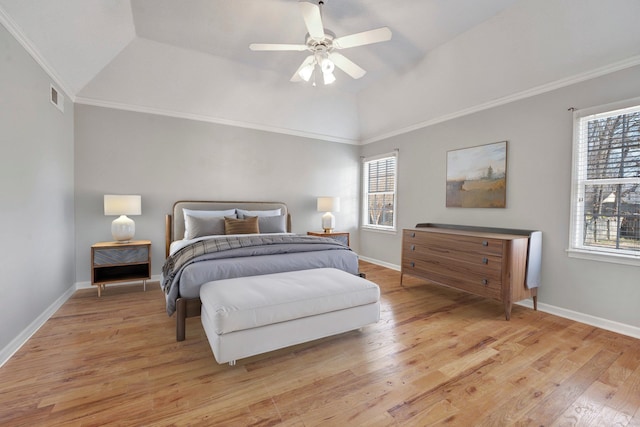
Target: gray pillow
203,226
202,214
272,224
272,212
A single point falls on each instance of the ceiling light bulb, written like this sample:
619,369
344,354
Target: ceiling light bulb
328,77
306,72
327,65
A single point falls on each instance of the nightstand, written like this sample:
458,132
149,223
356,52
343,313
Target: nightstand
340,236
113,262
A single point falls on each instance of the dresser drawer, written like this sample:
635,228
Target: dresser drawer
483,262
454,243
456,276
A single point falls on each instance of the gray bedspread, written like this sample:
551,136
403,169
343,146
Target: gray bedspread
239,256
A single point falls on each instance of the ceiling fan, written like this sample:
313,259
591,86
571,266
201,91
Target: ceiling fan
323,44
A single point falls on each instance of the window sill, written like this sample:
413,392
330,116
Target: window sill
379,230
604,257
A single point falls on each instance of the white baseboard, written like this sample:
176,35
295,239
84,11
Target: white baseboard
381,263
609,325
23,337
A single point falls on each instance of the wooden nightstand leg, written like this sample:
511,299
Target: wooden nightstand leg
99,289
144,285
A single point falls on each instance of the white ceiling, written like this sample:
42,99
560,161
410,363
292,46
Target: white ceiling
190,57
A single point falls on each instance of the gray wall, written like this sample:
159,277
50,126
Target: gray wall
168,159
36,184
539,135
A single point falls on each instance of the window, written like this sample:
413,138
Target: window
605,217
379,205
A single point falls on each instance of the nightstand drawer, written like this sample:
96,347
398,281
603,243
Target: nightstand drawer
121,256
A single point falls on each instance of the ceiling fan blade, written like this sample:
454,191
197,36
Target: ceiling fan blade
307,61
312,19
347,65
366,37
269,46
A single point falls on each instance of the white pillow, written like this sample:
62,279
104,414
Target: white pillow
273,212
202,214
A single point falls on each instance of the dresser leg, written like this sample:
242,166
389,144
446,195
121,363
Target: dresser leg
534,295
507,310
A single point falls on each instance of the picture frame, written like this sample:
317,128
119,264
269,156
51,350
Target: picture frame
477,176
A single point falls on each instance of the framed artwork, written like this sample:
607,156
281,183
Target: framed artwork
477,176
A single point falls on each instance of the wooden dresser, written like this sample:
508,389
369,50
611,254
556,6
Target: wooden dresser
502,264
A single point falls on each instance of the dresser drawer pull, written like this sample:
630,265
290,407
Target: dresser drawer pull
413,264
485,243
413,247
485,282
413,234
485,260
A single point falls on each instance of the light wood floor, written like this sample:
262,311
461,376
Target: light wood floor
437,356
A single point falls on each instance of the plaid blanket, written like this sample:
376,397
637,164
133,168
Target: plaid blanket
194,251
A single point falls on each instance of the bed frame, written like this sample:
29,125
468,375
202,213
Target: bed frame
174,230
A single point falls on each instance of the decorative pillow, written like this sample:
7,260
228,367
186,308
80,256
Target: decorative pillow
203,226
272,224
273,212
202,214
241,226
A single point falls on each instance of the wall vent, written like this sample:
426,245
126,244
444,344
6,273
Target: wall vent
56,98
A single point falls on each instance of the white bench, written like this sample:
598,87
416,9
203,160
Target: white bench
246,316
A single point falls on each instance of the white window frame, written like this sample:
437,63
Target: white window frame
579,182
365,193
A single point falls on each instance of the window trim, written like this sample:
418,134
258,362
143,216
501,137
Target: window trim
365,195
578,181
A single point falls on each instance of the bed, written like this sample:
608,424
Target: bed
198,251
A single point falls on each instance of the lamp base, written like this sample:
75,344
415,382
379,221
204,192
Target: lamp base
328,222
123,229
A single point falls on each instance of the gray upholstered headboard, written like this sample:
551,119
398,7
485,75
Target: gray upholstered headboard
175,221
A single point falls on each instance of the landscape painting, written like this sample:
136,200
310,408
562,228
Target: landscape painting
477,176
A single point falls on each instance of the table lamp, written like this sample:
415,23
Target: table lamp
122,228
328,205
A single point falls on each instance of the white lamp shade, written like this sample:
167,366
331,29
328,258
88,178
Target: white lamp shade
115,204
328,204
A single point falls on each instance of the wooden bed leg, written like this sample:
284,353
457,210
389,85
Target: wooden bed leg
181,317
534,296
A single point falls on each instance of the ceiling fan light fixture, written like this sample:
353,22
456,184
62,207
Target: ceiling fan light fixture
328,77
327,65
306,72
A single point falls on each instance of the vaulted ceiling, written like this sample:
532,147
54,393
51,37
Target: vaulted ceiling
190,58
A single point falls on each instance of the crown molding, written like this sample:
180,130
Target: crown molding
210,119
538,90
14,29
